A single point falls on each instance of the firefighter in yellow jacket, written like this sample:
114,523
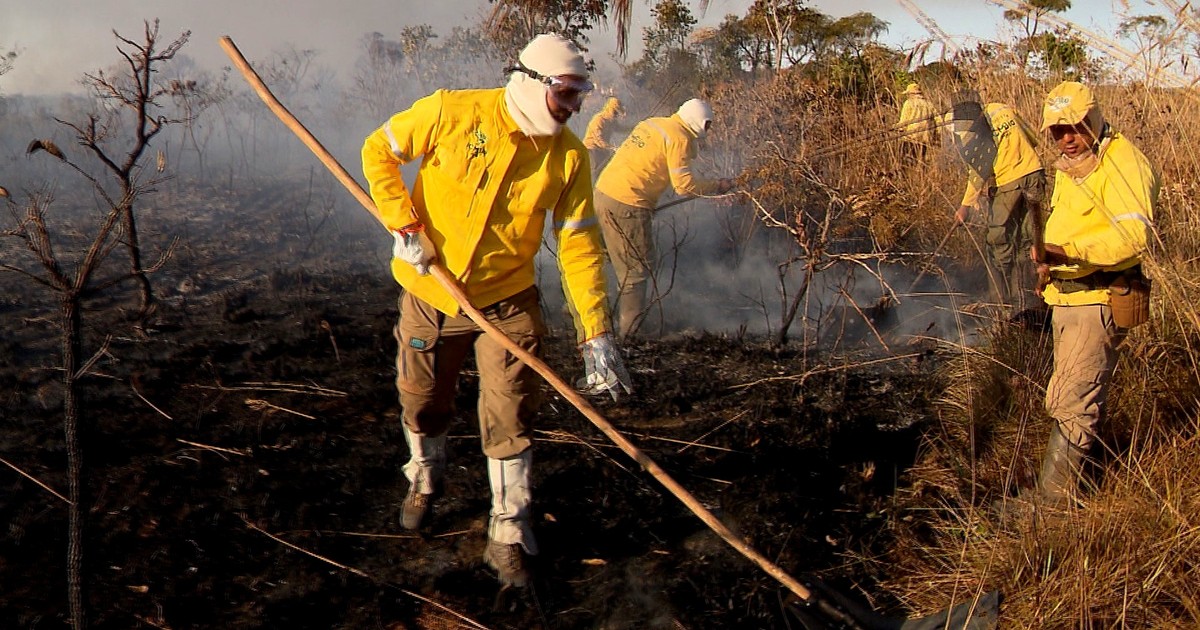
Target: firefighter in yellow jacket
1101,219
495,165
599,128
658,153
918,122
1012,185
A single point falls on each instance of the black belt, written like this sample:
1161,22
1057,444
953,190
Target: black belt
1094,280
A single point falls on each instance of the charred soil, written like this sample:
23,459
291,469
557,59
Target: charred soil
242,456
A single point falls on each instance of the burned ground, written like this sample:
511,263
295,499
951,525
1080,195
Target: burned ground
243,453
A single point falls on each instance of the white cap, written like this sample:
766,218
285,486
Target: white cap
696,114
552,55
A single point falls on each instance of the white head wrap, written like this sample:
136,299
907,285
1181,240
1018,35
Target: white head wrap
695,114
548,55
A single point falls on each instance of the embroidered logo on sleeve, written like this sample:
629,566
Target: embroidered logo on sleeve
419,344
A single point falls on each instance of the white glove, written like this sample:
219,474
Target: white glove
604,371
414,248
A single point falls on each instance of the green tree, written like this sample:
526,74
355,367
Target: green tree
1029,17
666,55
1061,53
512,23
1156,42
775,20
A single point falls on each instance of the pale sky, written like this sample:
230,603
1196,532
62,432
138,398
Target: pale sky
60,40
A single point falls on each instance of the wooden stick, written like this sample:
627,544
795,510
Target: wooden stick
35,480
448,282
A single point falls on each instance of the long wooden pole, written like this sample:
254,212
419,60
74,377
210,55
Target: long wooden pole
451,285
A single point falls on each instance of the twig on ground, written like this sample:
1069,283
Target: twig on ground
215,449
361,573
133,386
329,330
570,438
259,405
825,370
290,388
34,480
718,428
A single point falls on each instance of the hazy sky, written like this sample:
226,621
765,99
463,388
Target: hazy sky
60,40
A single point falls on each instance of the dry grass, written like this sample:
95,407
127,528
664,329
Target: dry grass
1127,554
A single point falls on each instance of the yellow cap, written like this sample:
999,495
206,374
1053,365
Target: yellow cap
912,88
1067,104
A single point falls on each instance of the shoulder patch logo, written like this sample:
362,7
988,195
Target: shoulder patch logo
419,344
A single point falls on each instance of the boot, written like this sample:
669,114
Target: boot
1057,480
510,533
425,470
1061,467
509,563
630,305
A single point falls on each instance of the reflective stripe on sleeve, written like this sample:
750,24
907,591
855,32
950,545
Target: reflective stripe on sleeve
387,131
1133,216
577,224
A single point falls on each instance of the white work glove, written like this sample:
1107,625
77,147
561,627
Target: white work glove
413,247
603,369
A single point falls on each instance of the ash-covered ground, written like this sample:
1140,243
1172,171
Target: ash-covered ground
242,454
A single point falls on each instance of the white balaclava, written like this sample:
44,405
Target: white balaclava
548,55
696,114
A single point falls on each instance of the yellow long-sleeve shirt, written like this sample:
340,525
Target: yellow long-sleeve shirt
1102,221
483,191
598,128
658,153
1016,152
917,121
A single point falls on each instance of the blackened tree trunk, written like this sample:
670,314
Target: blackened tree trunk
71,345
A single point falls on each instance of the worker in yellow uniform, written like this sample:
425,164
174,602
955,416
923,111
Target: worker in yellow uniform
599,129
1012,186
1101,219
658,153
495,165
918,123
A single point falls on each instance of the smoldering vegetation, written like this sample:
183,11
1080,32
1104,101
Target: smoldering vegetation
853,423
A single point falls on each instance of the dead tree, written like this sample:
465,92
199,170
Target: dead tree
72,283
129,95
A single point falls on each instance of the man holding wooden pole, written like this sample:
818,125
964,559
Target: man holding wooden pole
494,164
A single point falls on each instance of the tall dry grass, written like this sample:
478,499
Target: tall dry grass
1124,556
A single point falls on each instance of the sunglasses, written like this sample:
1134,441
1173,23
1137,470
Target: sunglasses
567,91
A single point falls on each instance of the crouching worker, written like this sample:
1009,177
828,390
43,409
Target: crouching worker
1100,222
495,163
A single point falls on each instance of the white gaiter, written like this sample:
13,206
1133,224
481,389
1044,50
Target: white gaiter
526,100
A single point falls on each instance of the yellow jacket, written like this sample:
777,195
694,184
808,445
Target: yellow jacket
658,152
917,121
1016,153
1102,221
483,191
596,134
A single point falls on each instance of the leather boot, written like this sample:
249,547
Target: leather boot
510,532
1061,467
425,470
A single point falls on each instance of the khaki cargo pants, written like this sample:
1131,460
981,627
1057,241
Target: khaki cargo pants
1085,356
1010,235
628,233
432,348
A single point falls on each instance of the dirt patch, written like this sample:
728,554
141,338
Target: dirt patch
257,418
